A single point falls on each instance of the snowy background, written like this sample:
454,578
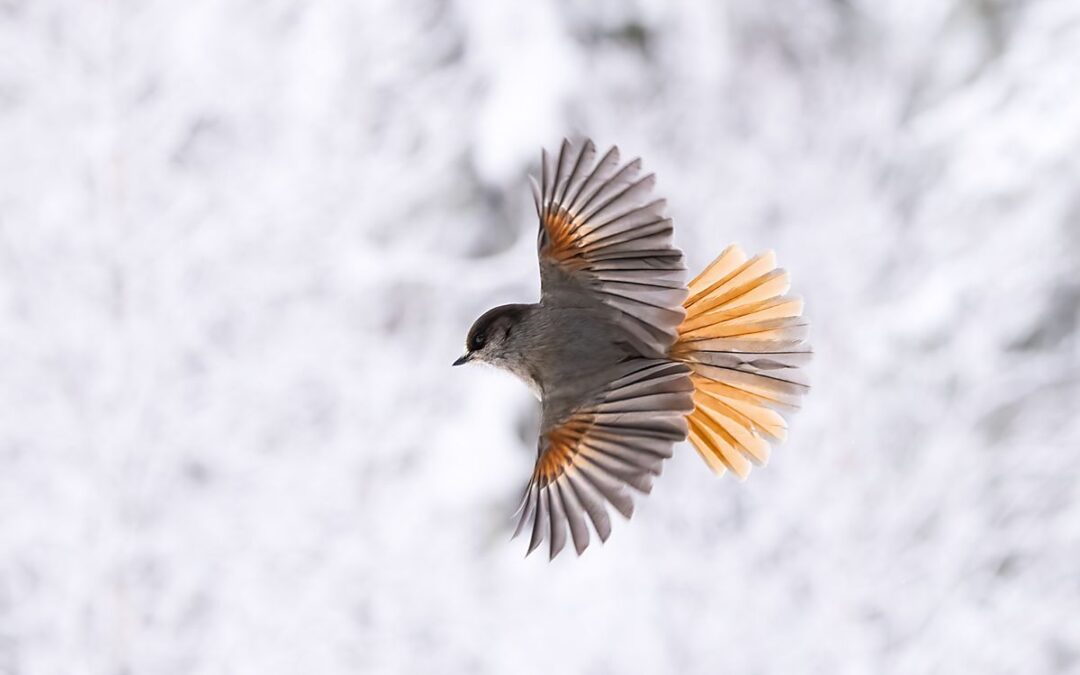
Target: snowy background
241,243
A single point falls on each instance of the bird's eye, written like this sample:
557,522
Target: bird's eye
478,341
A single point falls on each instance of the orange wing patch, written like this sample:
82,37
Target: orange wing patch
562,247
563,445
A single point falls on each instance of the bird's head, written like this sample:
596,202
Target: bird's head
489,337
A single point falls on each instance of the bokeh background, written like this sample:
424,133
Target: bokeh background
242,241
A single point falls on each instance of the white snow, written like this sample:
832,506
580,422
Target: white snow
241,243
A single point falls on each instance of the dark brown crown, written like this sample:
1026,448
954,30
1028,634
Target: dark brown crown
501,318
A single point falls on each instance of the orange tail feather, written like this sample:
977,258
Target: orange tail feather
744,339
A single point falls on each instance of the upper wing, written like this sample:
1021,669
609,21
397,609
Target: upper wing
602,240
620,436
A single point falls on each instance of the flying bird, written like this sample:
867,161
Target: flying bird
626,358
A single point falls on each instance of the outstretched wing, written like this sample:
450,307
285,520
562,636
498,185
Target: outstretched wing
604,240
619,437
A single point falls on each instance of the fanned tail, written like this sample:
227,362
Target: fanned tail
743,338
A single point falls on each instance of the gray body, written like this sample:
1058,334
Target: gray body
564,346
560,352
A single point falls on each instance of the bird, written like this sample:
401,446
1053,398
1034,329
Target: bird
628,359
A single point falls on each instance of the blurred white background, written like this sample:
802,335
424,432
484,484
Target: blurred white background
241,243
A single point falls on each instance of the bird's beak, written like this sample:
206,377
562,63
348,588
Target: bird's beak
464,358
